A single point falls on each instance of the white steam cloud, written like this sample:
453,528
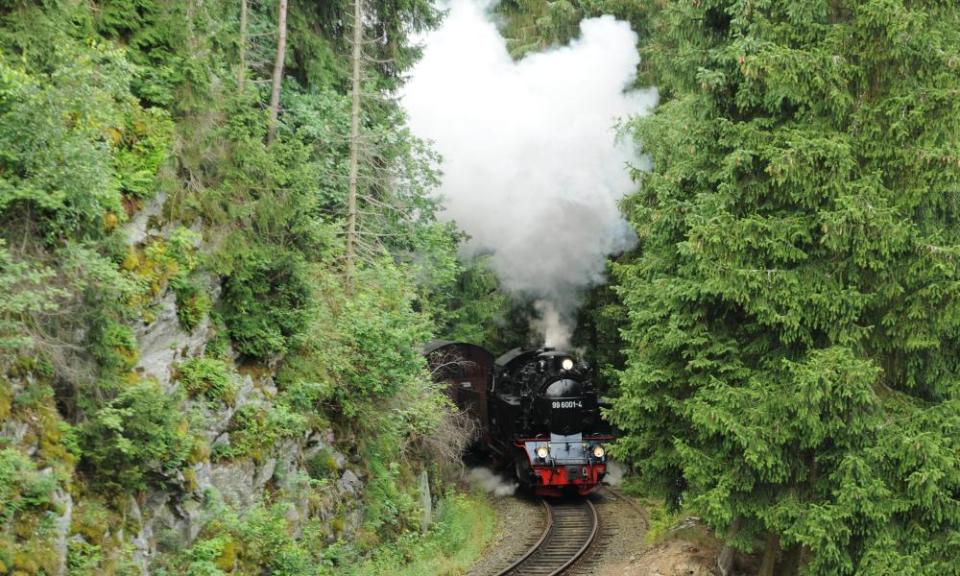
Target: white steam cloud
490,482
532,169
615,473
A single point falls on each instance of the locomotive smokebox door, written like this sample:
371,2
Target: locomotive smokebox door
565,404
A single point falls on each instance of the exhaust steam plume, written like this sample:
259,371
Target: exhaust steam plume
532,169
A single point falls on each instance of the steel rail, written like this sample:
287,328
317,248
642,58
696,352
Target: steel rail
546,532
525,563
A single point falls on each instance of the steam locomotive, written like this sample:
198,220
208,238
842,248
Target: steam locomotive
538,411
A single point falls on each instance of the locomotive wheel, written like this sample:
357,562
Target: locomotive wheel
521,468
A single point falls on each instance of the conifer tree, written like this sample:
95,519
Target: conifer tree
792,369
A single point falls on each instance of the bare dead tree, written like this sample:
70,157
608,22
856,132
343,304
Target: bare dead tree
278,71
356,59
242,71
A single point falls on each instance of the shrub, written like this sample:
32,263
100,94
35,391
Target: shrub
322,466
208,378
255,429
138,439
265,302
115,346
193,303
22,487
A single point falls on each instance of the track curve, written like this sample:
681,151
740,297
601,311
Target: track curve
569,531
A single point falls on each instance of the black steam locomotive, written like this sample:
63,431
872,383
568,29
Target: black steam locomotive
538,410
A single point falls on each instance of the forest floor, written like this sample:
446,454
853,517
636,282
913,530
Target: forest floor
519,523
623,549
628,551
672,558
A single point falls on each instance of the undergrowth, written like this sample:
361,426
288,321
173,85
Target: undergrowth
463,527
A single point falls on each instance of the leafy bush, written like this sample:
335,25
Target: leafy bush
138,439
24,289
322,466
193,302
255,429
463,527
265,302
115,346
22,487
208,378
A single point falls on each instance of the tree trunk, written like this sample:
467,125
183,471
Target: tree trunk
790,562
770,553
278,71
725,559
242,72
354,142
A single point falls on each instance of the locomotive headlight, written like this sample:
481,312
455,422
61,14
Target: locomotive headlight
598,452
567,364
543,452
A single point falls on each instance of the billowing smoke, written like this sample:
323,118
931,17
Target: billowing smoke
615,473
490,482
532,169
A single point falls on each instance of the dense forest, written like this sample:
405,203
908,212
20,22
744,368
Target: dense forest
221,255
190,384
792,339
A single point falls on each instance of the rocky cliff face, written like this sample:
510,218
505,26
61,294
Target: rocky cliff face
73,528
173,519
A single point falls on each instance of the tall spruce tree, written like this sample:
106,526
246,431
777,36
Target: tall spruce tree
794,304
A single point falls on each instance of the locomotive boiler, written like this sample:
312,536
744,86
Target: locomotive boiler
538,412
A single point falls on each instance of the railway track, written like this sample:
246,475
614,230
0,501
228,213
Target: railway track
569,531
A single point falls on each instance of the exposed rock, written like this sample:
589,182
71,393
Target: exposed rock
163,343
15,432
235,482
63,501
138,227
142,541
349,483
264,472
353,520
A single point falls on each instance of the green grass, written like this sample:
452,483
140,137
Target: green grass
464,525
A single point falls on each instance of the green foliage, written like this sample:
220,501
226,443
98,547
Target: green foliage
23,290
600,320
116,348
139,439
56,159
208,378
169,58
536,25
74,141
254,430
103,105
193,302
83,558
22,487
322,465
376,321
456,540
265,303
260,541
792,306
141,150
473,306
